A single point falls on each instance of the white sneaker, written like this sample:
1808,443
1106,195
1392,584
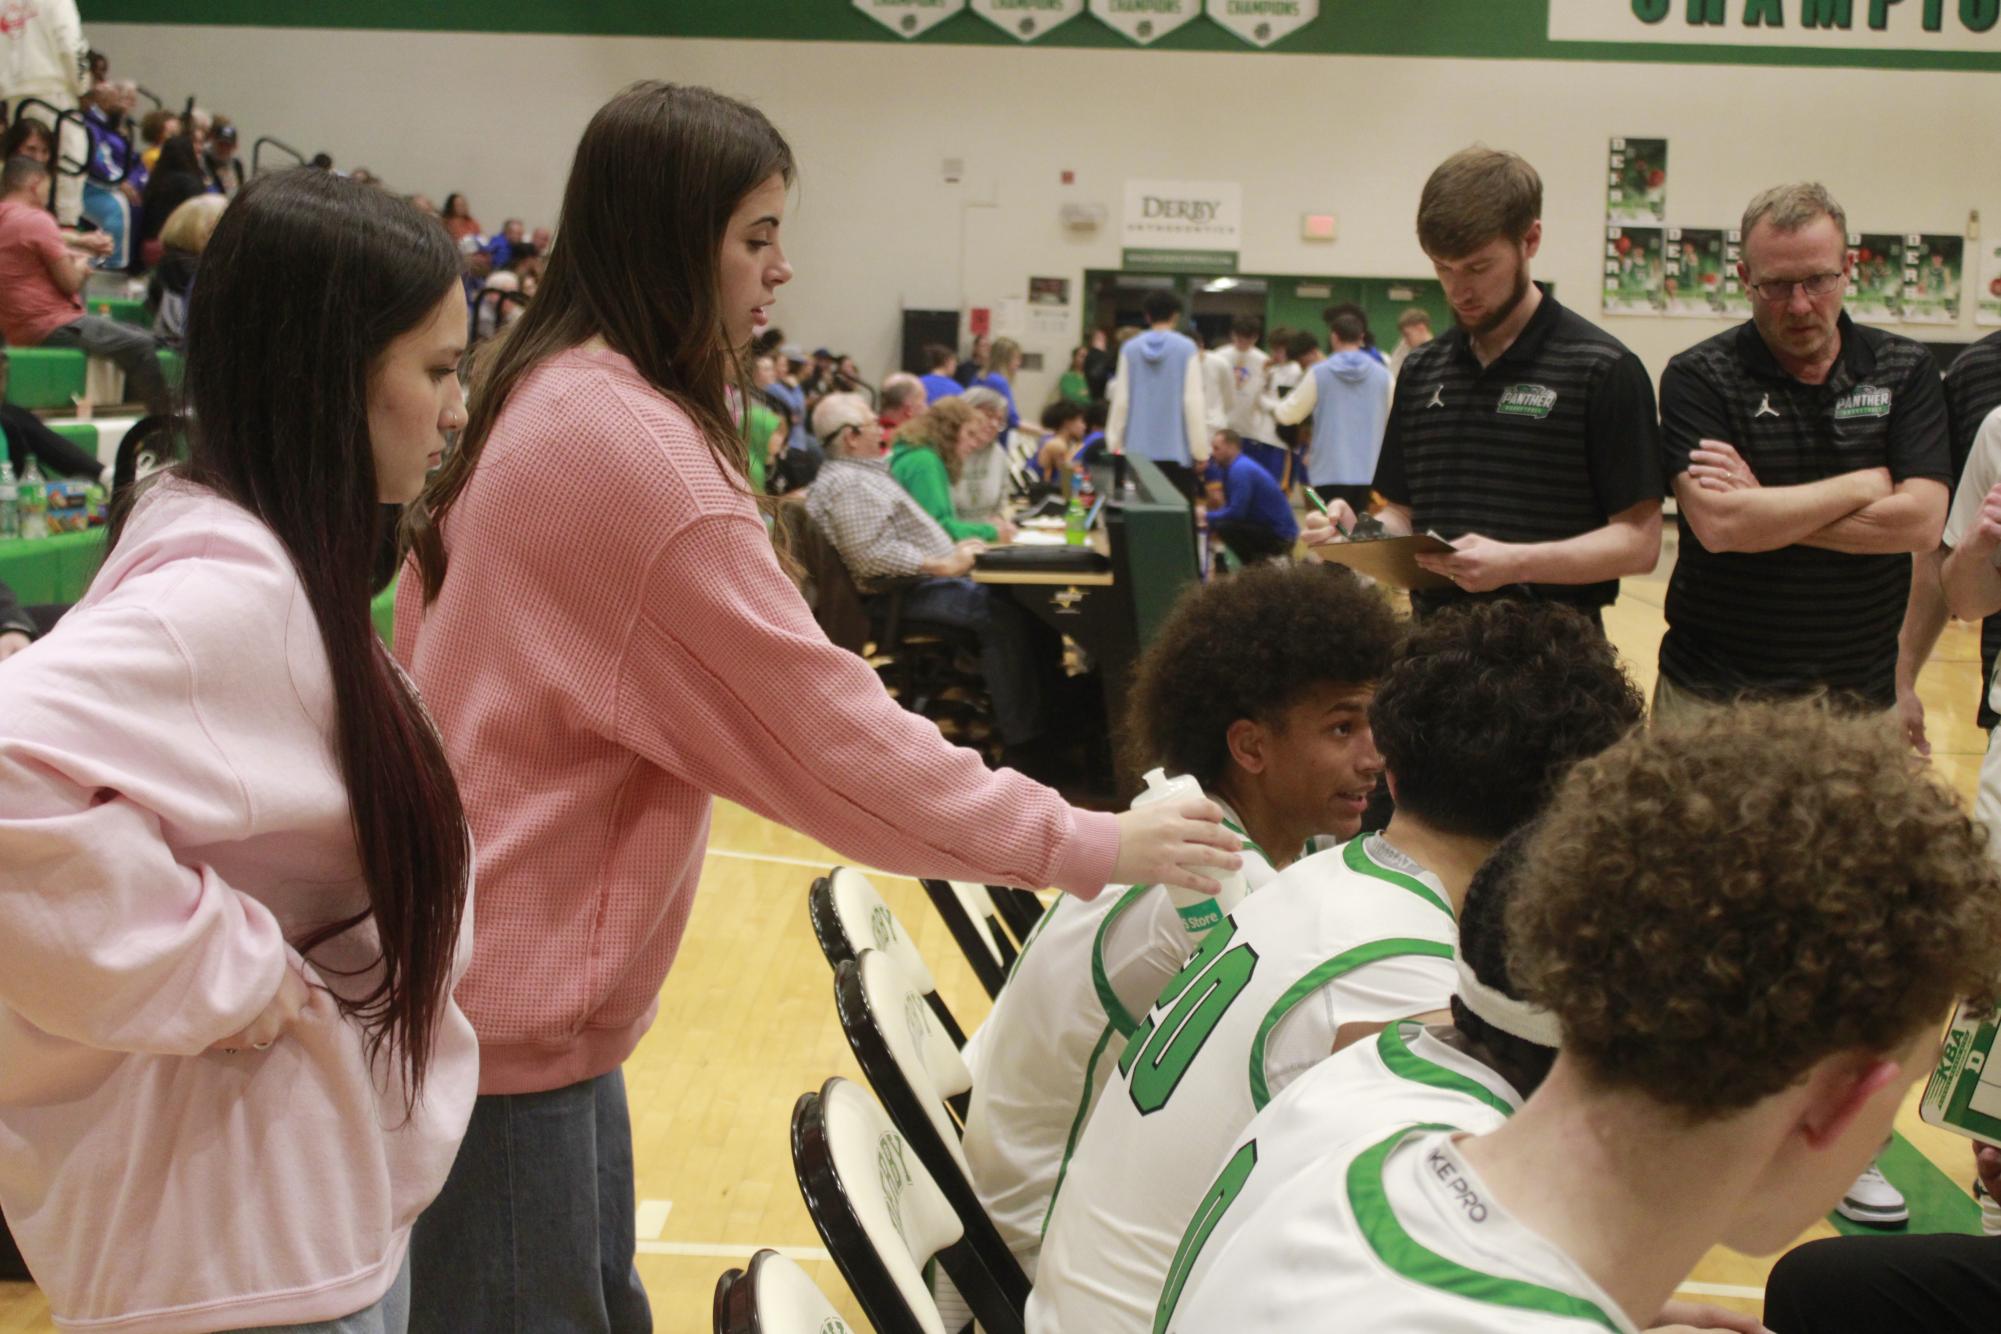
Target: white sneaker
1990,1209
1873,1202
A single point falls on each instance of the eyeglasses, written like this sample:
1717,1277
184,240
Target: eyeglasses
1779,293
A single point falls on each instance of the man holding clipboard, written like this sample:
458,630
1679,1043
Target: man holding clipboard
1526,436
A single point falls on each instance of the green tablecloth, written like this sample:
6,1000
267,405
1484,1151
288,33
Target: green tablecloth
56,570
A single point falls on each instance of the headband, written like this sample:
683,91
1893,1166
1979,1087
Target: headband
1516,1018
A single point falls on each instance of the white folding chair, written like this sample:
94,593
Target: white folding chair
970,915
882,1216
923,1083
849,916
773,1296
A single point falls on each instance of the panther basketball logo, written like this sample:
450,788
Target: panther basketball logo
1765,409
1437,397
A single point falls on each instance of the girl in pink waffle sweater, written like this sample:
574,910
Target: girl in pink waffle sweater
234,871
598,621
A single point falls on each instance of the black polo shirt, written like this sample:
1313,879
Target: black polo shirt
1799,618
1972,390
1548,442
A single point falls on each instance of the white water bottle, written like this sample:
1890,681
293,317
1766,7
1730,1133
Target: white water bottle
1198,911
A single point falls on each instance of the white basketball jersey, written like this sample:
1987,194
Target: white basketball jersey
1358,934
1083,980
1396,1234
1408,1075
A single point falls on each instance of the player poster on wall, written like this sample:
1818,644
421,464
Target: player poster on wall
1987,306
1701,273
1933,264
1636,182
1635,271
1876,282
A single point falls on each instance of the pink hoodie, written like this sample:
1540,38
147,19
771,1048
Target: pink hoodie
171,812
614,643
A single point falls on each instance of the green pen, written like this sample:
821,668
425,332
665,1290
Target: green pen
1321,505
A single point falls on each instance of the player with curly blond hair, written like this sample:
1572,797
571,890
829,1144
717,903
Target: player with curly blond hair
1750,928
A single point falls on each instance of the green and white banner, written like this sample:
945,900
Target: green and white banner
1145,21
910,18
1026,20
1872,25
1262,22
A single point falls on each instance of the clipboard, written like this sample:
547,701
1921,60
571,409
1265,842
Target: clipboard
1391,560
1963,1094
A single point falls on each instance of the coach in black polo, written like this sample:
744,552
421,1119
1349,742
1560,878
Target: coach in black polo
1809,458
1526,436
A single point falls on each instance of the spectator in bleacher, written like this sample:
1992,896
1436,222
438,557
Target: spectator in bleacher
213,762
653,656
110,194
44,56
1002,367
222,164
41,282
177,177
764,426
500,248
28,437
801,449
529,269
459,220
158,126
940,382
980,488
1254,521
1414,330
497,305
927,456
901,399
182,241
427,206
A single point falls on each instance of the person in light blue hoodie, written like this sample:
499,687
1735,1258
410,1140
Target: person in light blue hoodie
1157,401
1348,397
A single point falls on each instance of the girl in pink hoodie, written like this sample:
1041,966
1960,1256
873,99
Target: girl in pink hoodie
599,623
234,869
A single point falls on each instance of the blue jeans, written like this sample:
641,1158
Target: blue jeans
391,1315
1008,653
533,1232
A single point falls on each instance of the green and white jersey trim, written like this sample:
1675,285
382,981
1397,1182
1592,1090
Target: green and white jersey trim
1383,1228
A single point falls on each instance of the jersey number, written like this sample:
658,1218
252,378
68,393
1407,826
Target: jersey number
1194,1002
1235,1176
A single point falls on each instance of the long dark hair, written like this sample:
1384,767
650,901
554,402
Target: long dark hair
659,171
306,281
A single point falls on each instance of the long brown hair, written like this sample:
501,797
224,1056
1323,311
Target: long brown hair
636,262
278,423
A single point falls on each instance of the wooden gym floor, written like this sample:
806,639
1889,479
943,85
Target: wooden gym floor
747,1025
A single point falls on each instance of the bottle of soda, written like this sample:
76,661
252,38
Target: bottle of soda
34,504
1073,521
94,503
10,503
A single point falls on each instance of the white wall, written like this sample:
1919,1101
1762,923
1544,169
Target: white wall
875,228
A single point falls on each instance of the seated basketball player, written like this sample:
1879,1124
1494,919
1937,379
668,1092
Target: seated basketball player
1259,687
1483,710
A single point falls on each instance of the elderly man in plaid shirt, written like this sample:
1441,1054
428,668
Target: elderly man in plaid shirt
888,542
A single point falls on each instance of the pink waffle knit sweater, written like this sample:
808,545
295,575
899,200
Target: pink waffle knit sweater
614,645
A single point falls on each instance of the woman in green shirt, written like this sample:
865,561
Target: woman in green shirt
925,459
1074,387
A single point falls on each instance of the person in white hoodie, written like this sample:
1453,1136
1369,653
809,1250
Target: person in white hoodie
43,56
234,865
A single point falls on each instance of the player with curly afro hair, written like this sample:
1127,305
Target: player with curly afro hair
1259,685
1750,926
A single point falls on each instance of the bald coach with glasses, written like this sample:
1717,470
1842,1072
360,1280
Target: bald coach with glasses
1809,458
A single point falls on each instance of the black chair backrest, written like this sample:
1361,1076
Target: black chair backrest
866,999
1018,908
882,1217
978,941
